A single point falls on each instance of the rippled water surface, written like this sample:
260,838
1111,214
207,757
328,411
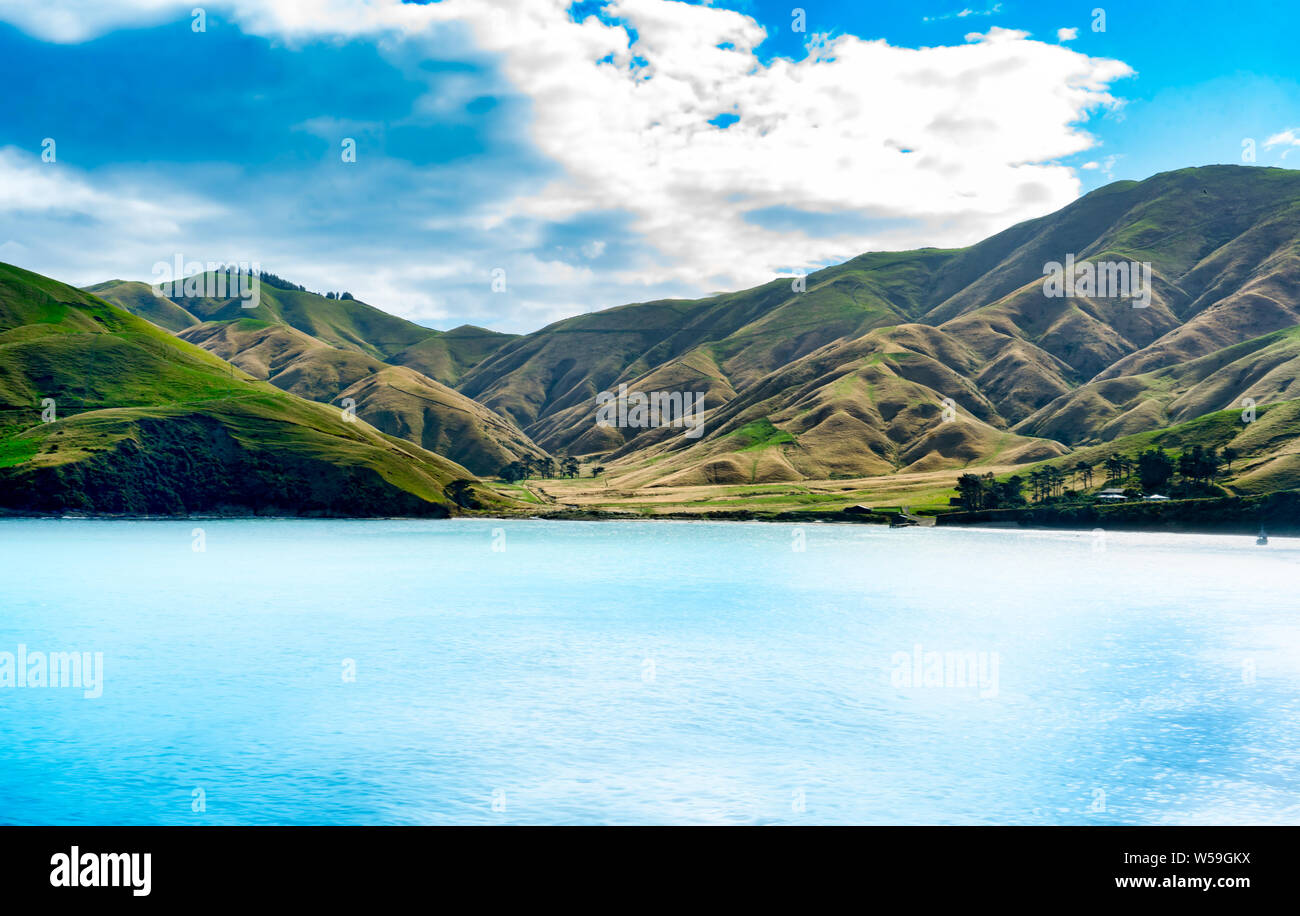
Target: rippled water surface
648,672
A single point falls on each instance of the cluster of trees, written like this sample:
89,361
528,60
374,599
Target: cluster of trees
1117,467
1202,464
461,492
528,466
1047,482
271,279
1155,468
983,492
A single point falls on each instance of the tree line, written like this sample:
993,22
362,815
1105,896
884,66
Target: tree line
278,282
1154,468
531,466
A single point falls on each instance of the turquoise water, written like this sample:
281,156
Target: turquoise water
648,672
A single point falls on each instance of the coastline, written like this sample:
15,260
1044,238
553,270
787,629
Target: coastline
1278,513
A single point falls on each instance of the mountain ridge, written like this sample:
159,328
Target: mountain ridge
906,362
1223,241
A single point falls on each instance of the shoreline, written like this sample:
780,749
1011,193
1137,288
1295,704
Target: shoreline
1278,513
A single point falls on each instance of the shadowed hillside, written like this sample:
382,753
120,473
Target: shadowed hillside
395,399
854,371
105,412
345,323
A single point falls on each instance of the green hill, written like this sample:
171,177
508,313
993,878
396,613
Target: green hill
345,323
141,299
447,355
146,423
395,399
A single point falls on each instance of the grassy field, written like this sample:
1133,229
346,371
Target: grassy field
926,492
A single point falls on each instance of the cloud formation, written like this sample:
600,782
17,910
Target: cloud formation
859,145
1289,138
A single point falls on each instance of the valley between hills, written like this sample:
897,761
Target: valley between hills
876,384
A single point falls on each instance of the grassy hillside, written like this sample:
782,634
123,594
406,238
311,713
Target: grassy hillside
394,399
892,363
729,340
141,299
448,355
1268,448
345,323
853,369
146,423
1263,369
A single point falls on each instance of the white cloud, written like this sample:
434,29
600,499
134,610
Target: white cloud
1067,34
105,227
77,20
938,145
982,124
1289,138
74,21
965,12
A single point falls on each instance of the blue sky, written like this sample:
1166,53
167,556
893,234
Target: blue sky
597,153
